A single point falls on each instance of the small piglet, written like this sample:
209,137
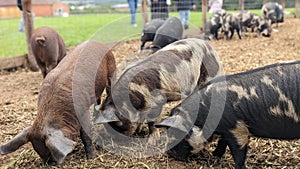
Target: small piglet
231,23
149,31
169,32
66,94
247,20
48,48
212,27
263,102
263,26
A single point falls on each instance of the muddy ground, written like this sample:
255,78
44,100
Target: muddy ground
19,91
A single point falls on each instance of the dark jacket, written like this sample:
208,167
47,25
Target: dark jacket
159,9
19,4
184,5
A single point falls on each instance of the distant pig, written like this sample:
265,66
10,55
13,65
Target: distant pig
247,20
263,26
263,102
170,74
61,108
169,32
273,11
231,22
149,31
48,48
212,27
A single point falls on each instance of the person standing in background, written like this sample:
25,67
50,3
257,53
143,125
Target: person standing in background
159,9
215,5
133,7
21,26
184,8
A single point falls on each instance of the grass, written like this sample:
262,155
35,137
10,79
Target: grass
74,30
78,28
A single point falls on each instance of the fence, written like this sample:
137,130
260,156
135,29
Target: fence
249,4
14,37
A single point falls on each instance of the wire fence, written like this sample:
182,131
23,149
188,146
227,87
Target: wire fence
248,4
10,37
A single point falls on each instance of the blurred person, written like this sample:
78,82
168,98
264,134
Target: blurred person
159,9
21,26
20,6
133,7
215,5
184,8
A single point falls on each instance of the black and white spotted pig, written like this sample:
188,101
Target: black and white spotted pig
263,26
247,20
263,102
212,27
149,31
231,22
221,12
169,32
143,88
273,11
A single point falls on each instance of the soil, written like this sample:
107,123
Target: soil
19,91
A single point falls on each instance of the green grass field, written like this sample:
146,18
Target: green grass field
78,28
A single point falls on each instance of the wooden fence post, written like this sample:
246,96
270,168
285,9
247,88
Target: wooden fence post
241,5
145,11
28,22
297,12
283,4
204,11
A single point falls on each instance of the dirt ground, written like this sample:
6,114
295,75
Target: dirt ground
19,91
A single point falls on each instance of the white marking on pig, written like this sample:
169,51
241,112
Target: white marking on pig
208,88
175,46
253,92
213,22
242,92
150,99
267,81
271,11
290,112
196,140
279,69
241,133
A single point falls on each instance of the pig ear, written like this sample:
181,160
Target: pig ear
174,122
108,115
15,143
58,144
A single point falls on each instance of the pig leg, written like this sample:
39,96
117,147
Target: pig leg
231,33
238,153
153,133
88,144
216,34
239,33
142,45
42,66
221,148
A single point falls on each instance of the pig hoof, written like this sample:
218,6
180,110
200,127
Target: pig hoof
91,155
